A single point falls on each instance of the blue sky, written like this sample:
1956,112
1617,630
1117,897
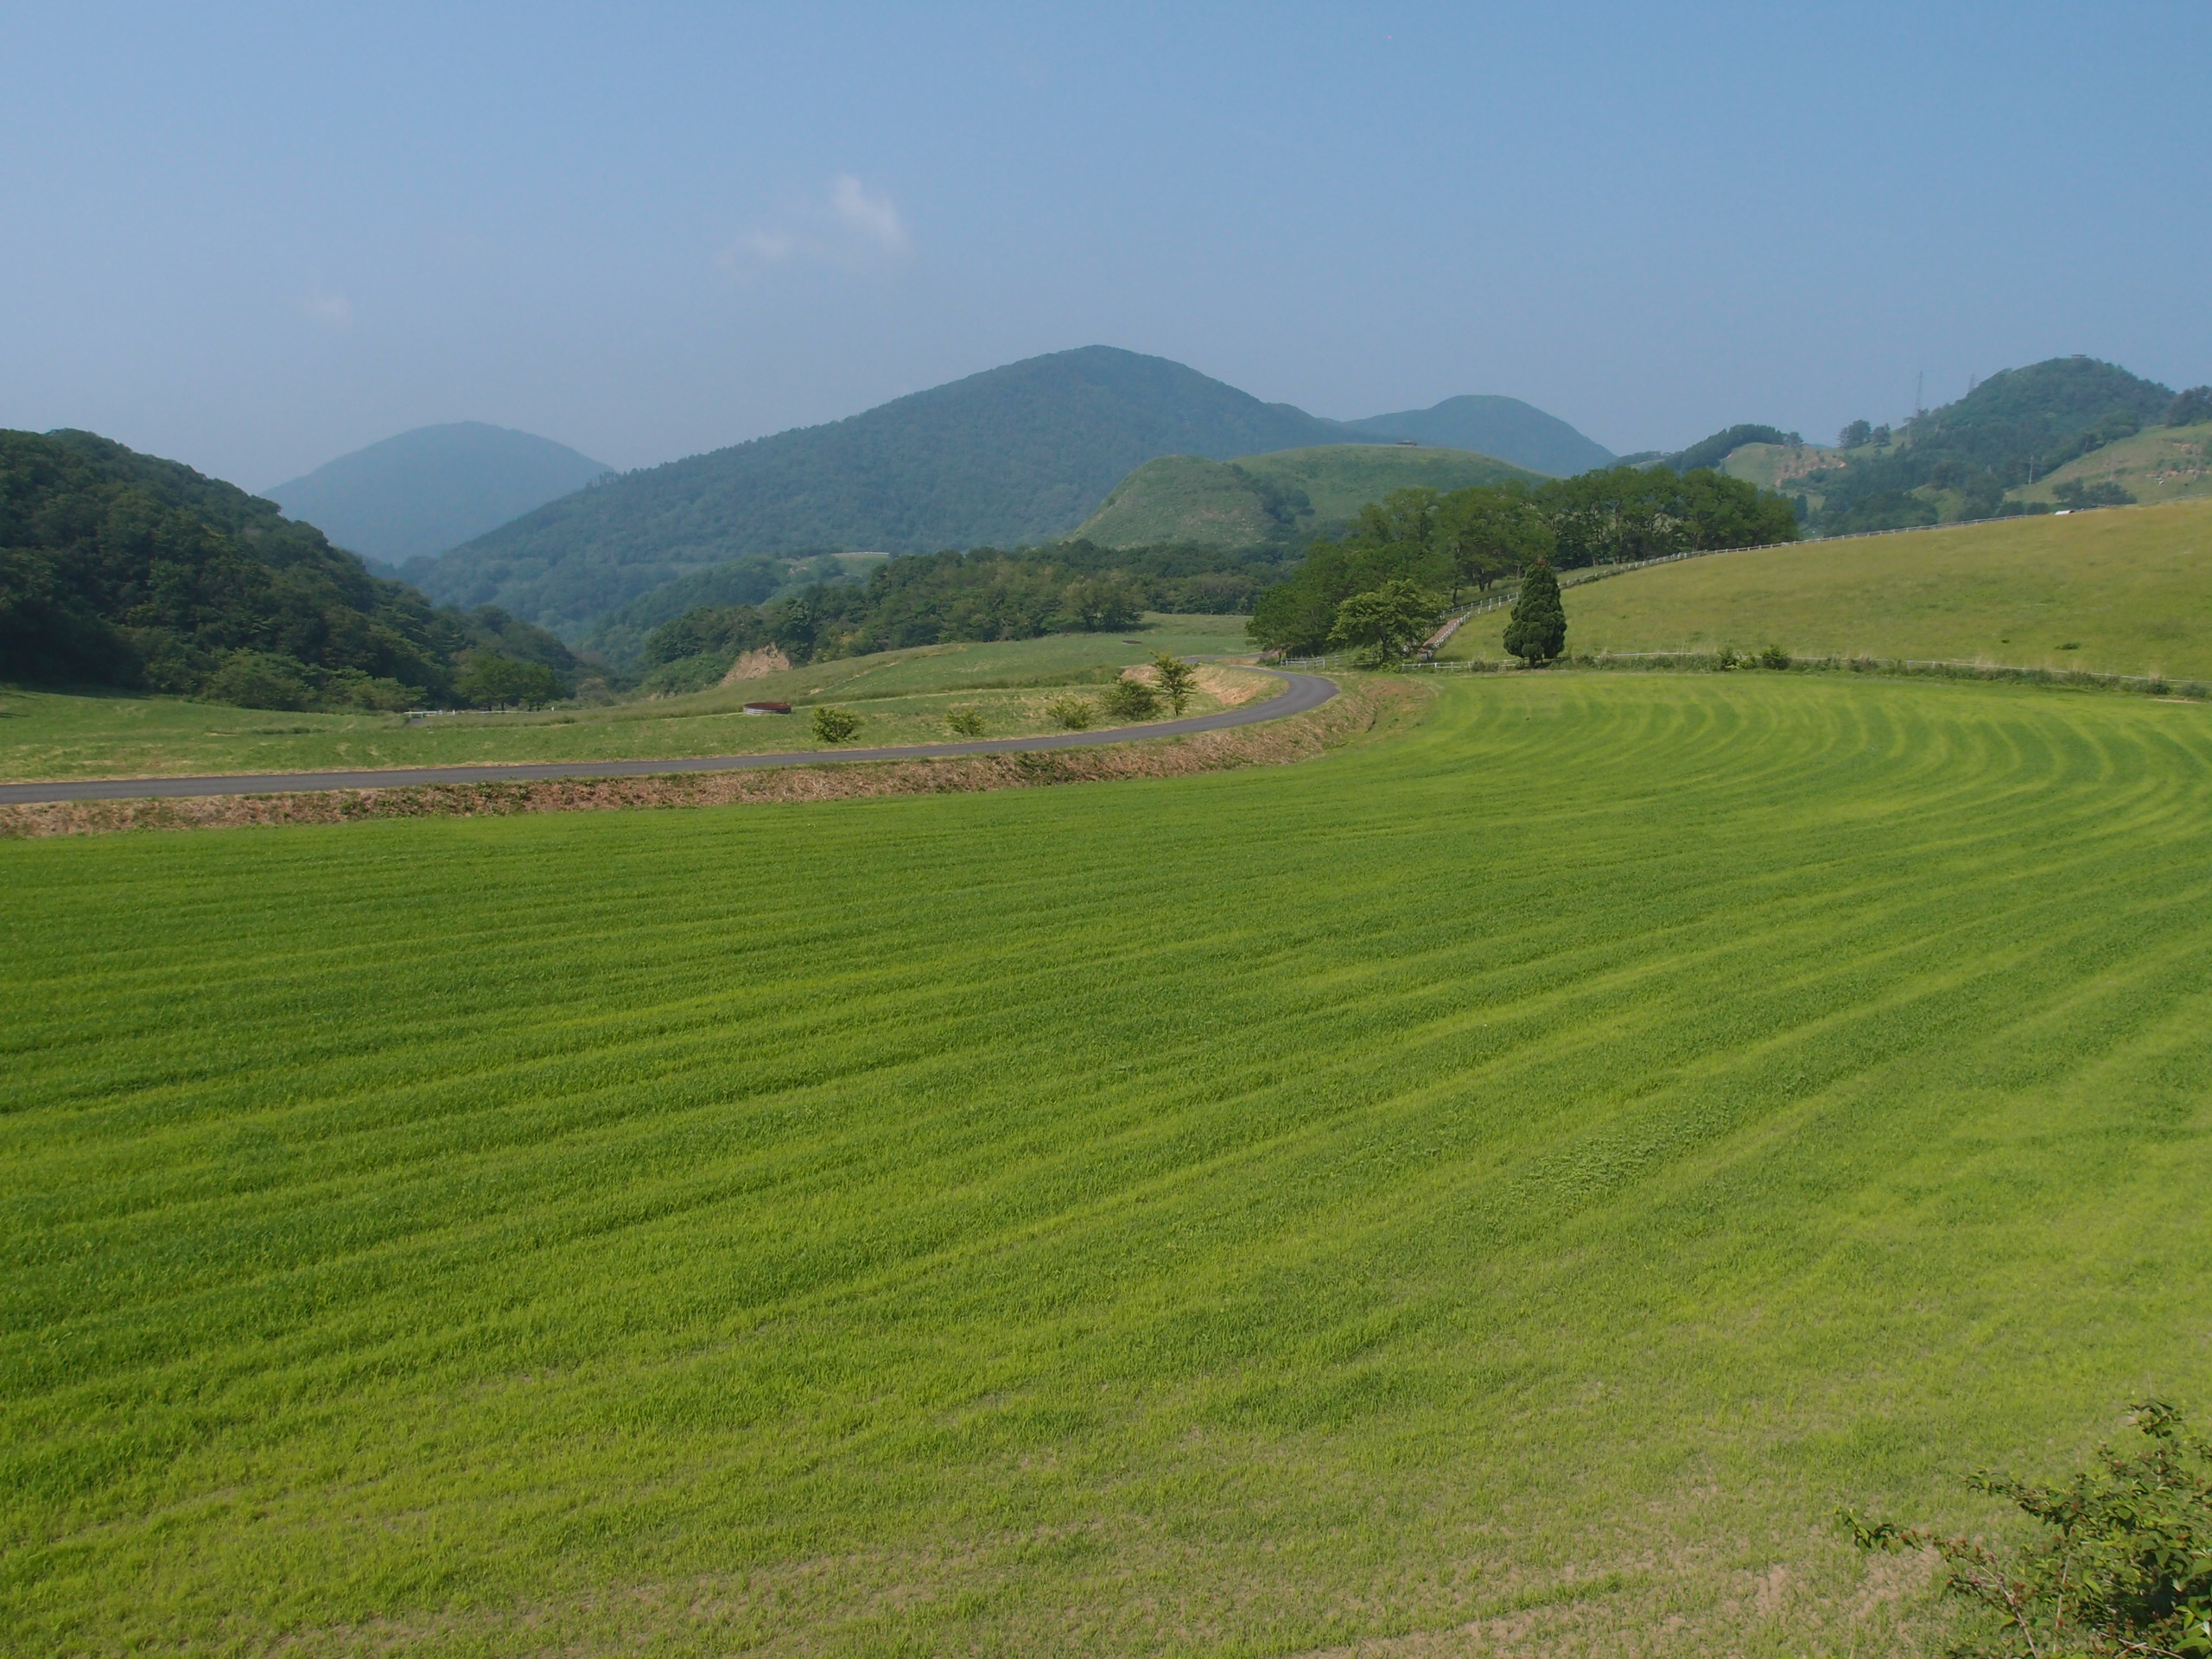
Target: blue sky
254,238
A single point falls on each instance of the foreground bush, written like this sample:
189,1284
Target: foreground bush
2123,1565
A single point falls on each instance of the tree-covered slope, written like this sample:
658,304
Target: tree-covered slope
1959,461
1017,454
1292,495
123,569
1504,427
415,495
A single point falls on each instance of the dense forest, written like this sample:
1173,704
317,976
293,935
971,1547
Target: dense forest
122,570
1443,544
928,599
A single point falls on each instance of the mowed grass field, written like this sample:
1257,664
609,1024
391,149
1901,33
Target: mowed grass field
2121,591
1494,1189
902,697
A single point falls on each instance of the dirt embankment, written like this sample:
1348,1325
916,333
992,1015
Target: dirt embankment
1360,707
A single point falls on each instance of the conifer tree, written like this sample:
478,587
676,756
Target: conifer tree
1537,630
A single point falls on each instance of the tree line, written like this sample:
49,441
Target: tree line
985,594
122,570
1413,555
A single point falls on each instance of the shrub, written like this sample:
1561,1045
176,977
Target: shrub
1774,657
967,720
834,725
255,680
1071,713
1130,700
2124,1563
493,681
1176,678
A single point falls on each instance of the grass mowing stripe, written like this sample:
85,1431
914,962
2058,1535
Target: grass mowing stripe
1609,1124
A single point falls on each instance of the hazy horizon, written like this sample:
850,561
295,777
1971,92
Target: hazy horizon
258,240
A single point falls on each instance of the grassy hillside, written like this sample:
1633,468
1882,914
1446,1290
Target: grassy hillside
902,697
1777,466
417,494
2129,590
2167,463
1504,427
1292,495
1958,461
1500,1188
1018,454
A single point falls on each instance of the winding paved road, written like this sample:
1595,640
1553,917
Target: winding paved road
1302,693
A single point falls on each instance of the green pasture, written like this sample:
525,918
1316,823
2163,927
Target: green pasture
901,696
1518,1172
2118,591
2166,463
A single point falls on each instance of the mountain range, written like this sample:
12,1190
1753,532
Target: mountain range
1018,455
415,495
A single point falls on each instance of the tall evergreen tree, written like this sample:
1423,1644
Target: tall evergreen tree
1537,630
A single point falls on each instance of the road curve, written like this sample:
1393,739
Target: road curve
1302,693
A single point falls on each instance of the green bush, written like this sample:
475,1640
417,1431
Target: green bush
966,721
1175,677
1131,699
1073,714
1774,657
2123,1564
254,679
836,725
493,681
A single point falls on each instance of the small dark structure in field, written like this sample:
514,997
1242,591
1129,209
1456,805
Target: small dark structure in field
767,708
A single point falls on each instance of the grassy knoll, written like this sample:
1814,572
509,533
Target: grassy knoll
2129,590
2166,463
902,697
1186,500
1521,1173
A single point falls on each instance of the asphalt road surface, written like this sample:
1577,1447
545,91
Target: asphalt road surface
1303,692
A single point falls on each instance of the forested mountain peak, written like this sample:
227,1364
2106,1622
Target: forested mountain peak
1018,454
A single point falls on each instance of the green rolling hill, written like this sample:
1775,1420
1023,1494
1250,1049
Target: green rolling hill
1290,495
1021,453
2121,591
1018,455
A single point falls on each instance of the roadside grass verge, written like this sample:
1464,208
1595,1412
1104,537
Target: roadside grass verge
1362,706
1492,1191
902,697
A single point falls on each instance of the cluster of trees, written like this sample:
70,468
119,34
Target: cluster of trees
928,599
1412,554
122,570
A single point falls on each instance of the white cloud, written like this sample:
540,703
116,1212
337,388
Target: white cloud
853,228
332,310
870,218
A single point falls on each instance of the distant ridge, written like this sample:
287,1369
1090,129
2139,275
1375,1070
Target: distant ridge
1503,427
415,495
1018,454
